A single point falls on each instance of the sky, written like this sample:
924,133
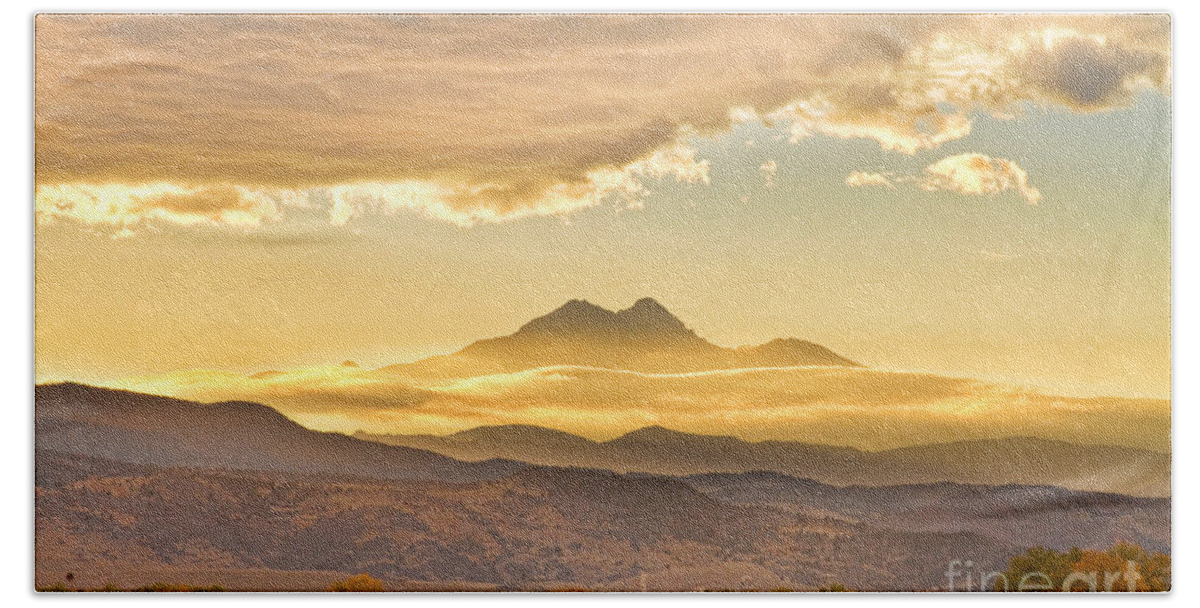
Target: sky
985,197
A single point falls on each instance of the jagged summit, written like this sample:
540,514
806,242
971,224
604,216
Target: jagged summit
574,316
646,318
648,315
645,337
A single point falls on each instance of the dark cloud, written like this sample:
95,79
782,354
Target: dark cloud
1086,74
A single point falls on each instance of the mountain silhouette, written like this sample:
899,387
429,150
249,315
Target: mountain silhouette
645,320
645,337
662,451
238,435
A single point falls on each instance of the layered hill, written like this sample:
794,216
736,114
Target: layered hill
663,451
131,486
546,528
1024,515
645,337
144,429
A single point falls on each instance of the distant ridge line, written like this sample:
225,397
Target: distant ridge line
659,450
645,337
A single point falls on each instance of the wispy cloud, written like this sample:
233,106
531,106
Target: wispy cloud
858,179
460,204
125,207
971,173
769,170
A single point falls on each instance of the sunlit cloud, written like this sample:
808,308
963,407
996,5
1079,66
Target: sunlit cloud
858,179
929,98
624,187
124,207
474,118
979,174
971,173
895,128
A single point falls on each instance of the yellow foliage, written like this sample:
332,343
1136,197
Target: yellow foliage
358,582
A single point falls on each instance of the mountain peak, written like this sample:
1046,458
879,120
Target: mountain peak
794,351
576,316
577,308
578,304
661,435
643,337
648,316
525,434
644,319
647,303
653,433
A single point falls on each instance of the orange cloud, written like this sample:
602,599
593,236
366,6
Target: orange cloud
979,174
123,207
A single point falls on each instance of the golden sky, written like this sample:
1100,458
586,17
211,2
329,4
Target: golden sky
864,408
979,196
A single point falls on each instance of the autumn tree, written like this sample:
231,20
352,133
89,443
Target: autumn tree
1123,567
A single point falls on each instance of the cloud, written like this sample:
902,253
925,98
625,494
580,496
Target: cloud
1087,72
971,173
475,118
459,204
125,207
858,179
122,207
929,96
979,174
895,128
769,169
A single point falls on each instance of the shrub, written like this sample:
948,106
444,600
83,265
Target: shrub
1091,570
358,582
